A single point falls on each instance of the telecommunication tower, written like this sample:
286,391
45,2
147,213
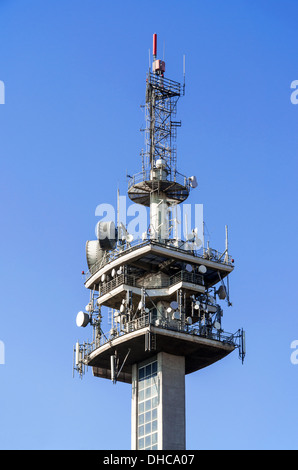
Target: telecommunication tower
164,294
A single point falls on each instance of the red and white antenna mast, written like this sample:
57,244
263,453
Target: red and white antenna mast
158,66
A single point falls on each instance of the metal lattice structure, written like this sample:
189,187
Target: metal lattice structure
161,130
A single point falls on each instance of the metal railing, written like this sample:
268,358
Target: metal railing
207,254
145,175
165,85
133,281
143,321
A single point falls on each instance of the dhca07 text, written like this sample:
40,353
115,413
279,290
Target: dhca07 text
170,459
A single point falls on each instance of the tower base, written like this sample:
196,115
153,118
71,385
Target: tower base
158,403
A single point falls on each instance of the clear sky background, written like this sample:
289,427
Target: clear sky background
74,74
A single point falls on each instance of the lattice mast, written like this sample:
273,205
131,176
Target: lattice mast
160,185
161,104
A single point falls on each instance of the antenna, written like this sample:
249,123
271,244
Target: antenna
154,46
227,246
118,213
113,368
183,74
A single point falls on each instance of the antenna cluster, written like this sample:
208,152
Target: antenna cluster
163,294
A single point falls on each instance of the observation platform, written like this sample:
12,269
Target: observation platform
152,256
176,187
146,340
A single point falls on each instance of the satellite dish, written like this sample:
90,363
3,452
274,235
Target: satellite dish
197,242
222,293
174,305
202,269
217,325
194,241
117,316
120,270
188,268
189,321
94,252
169,309
89,308
159,163
106,234
103,278
193,182
129,238
82,319
147,310
176,315
113,273
197,305
122,308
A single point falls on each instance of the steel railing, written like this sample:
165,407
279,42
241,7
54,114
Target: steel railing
133,281
208,254
163,323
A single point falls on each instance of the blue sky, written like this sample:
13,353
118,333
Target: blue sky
74,74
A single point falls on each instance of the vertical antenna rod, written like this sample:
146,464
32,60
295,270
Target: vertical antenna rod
154,46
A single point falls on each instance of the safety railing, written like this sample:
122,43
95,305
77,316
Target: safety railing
143,321
133,281
173,176
165,85
204,253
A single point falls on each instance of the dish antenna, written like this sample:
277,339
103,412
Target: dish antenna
89,307
202,269
125,236
174,305
193,240
176,315
120,270
94,252
82,319
193,182
222,292
106,233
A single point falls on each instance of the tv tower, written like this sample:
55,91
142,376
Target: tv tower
165,295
